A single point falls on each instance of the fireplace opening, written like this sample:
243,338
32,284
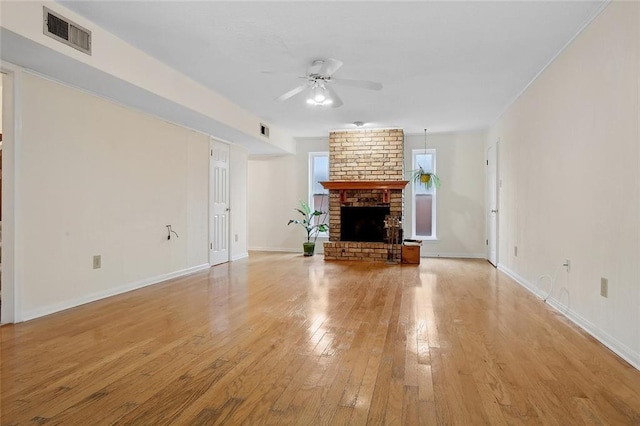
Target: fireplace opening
363,224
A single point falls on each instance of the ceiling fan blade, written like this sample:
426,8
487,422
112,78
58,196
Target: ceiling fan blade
363,84
329,67
336,101
291,93
315,67
283,74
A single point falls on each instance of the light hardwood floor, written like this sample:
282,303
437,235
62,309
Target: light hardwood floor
282,339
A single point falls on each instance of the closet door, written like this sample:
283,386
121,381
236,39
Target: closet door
219,203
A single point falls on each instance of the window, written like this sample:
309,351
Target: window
424,200
318,195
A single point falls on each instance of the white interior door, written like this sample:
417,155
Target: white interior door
492,204
219,203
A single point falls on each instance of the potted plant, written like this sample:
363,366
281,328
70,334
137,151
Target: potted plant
427,178
307,222
420,176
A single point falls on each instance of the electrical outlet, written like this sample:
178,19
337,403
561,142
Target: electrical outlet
515,251
236,238
604,287
97,261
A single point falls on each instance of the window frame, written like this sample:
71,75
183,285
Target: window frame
310,194
432,191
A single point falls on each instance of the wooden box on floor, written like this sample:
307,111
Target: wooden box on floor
411,254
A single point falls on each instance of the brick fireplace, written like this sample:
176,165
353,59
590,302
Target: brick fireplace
365,184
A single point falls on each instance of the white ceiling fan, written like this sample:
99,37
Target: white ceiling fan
319,78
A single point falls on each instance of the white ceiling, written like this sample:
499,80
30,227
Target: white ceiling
445,66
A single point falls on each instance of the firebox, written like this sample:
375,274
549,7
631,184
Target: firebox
363,224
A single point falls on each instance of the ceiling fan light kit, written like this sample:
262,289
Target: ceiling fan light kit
313,102
318,94
319,76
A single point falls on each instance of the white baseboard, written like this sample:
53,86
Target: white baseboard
521,281
426,255
61,306
280,249
622,350
319,249
240,256
609,341
456,255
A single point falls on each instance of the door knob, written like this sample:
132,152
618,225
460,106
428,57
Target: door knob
494,211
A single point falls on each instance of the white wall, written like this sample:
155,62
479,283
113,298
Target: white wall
238,166
276,184
97,178
1,105
569,161
460,199
9,131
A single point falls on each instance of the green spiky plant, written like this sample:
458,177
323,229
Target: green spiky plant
426,178
312,229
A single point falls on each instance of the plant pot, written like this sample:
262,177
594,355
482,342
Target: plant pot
308,248
425,178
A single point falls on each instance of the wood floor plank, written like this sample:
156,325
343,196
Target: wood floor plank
282,339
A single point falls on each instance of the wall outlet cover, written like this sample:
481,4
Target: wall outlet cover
604,287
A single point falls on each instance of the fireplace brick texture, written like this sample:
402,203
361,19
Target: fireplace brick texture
366,155
370,252
363,155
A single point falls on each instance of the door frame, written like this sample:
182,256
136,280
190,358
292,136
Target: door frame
495,188
11,310
212,141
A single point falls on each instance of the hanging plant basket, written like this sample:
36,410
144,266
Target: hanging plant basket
420,176
425,178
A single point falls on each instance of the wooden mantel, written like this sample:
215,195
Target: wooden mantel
385,185
365,184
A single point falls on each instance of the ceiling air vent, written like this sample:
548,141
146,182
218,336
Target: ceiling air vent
67,32
264,130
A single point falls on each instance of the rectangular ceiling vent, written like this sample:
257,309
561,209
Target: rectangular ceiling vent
264,130
67,32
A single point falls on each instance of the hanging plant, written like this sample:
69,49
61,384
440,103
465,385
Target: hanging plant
420,176
428,179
